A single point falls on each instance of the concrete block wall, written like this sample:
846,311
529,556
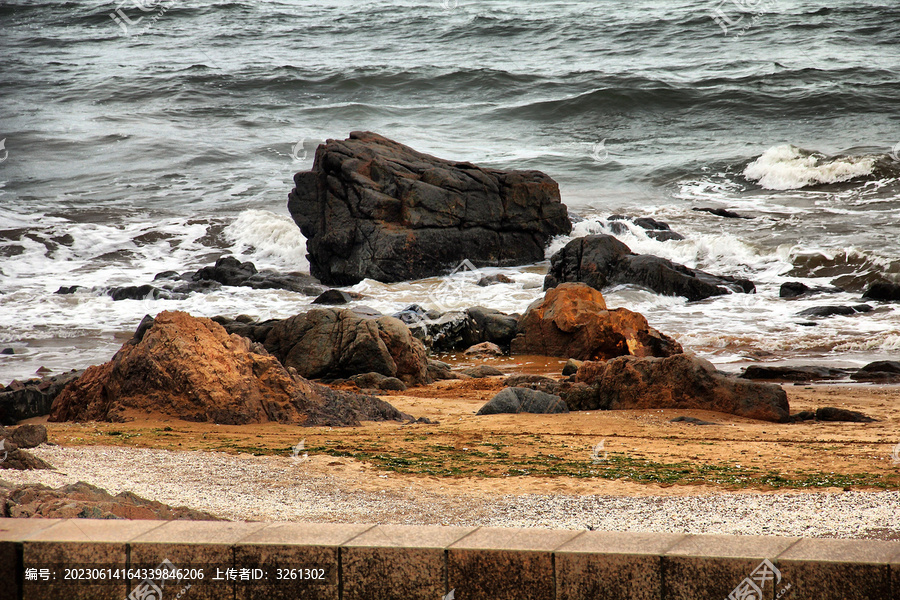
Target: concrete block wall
372,562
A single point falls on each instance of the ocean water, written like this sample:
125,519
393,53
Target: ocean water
143,136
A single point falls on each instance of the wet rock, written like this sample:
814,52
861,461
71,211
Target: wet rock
373,208
494,279
883,290
601,261
255,331
20,460
479,371
489,325
483,349
452,331
680,382
7,351
830,311
84,501
805,373
334,343
830,413
572,321
795,289
523,400
721,212
438,370
192,369
32,398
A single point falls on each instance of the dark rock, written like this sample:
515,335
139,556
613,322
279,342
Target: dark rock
830,311
333,343
721,212
803,415
192,369
7,351
84,501
884,371
333,297
494,279
655,229
691,421
518,400
483,349
371,207
33,398
680,382
438,371
460,330
602,260
883,290
795,289
21,460
830,413
145,324
489,325
378,381
571,367
479,371
811,373
28,435
572,321
256,331
228,271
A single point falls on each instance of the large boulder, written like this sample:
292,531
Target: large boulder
602,261
192,369
373,208
32,398
336,343
572,321
680,381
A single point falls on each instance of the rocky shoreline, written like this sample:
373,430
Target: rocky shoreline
373,208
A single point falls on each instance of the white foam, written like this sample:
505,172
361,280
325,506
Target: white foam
268,239
787,167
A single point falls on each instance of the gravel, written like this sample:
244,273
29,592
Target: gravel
271,488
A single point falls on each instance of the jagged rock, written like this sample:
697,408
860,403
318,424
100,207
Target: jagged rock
830,311
489,325
373,208
680,381
811,373
830,413
518,400
378,381
84,501
334,343
479,371
795,289
192,369
254,331
883,290
572,321
483,349
494,279
721,212
26,399
602,260
460,330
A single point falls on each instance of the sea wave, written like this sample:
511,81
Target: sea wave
787,167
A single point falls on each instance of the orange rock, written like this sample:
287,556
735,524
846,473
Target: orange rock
191,368
572,321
